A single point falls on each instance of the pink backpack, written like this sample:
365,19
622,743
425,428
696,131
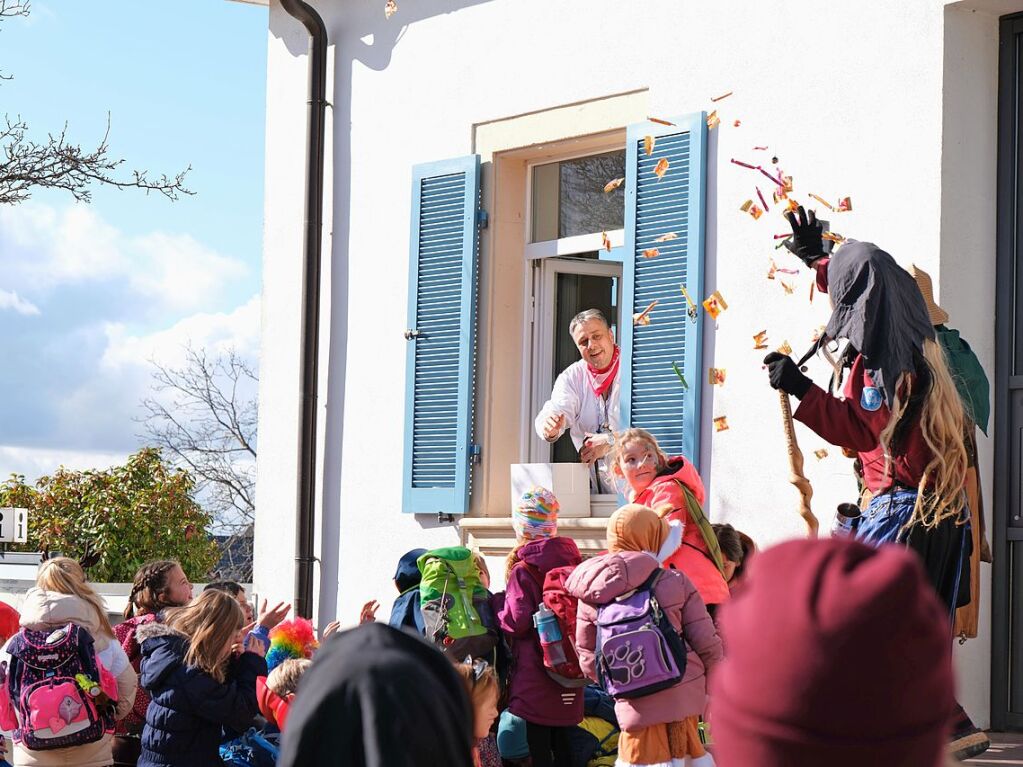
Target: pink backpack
57,689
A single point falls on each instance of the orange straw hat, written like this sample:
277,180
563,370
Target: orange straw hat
923,280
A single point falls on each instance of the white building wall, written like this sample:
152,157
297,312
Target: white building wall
849,96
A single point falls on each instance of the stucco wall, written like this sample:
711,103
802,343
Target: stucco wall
852,99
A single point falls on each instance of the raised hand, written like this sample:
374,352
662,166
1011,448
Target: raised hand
270,618
807,241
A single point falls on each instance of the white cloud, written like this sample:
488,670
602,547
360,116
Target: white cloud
11,300
214,332
42,248
34,462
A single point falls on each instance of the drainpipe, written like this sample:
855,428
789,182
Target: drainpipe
311,253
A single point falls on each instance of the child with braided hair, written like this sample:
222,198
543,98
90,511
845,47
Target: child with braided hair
157,585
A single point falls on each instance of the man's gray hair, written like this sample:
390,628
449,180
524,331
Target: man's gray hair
586,316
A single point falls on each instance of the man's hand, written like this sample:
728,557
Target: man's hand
554,426
595,447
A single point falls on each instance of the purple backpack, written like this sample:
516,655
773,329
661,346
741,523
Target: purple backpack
52,708
639,652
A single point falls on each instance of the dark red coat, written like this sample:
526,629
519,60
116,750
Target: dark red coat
532,694
846,422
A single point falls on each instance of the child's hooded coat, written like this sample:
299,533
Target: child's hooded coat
601,580
190,708
532,694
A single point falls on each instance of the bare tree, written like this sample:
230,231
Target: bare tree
57,163
202,415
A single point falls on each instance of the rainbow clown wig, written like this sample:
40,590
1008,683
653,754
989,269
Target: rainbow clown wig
291,639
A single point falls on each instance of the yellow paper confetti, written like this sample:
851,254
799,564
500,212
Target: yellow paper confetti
845,205
817,334
785,348
778,196
692,311
648,145
643,318
760,340
716,376
786,184
788,288
746,206
772,271
605,241
833,237
721,423
791,206
659,121
714,304
666,237
390,9
651,253
756,211
813,286
823,202
719,98
613,184
713,120
821,454
661,168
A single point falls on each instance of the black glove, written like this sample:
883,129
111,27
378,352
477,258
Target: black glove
807,241
786,376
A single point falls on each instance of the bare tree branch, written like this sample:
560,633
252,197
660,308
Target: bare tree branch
59,164
203,415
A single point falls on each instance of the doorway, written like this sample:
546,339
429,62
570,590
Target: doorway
1007,613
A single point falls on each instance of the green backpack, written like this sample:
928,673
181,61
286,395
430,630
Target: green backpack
455,606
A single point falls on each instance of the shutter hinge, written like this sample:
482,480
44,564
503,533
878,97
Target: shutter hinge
482,219
475,454
444,517
411,334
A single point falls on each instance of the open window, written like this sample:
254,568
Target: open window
559,245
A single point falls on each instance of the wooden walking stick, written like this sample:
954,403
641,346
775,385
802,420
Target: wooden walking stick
797,477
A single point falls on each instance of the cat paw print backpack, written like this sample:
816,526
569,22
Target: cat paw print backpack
60,692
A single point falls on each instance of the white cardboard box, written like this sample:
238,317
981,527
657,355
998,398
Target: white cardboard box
570,483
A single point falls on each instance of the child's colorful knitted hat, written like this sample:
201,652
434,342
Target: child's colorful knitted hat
291,639
536,515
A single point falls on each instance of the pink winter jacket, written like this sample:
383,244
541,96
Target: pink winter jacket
601,580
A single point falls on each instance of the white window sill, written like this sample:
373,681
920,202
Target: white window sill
495,536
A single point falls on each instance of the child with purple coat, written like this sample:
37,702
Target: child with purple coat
549,709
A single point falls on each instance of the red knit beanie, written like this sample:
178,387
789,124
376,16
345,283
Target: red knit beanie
837,654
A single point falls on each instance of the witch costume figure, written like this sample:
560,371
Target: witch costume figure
900,411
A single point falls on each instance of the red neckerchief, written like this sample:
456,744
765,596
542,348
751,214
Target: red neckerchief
602,380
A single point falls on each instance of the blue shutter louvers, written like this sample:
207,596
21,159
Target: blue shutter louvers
440,362
652,395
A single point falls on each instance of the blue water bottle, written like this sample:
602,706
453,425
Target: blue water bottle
546,623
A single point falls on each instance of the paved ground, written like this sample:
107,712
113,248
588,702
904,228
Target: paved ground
1006,748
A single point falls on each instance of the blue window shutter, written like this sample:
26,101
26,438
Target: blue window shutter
653,398
440,362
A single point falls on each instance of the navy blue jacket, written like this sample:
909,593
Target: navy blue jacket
190,708
405,613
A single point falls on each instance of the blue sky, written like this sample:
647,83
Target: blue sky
89,293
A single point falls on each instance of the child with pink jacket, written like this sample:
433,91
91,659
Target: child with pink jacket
660,728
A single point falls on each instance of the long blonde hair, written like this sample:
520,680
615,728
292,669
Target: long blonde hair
210,622
65,576
940,493
629,437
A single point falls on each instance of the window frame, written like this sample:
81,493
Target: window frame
580,243
537,347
